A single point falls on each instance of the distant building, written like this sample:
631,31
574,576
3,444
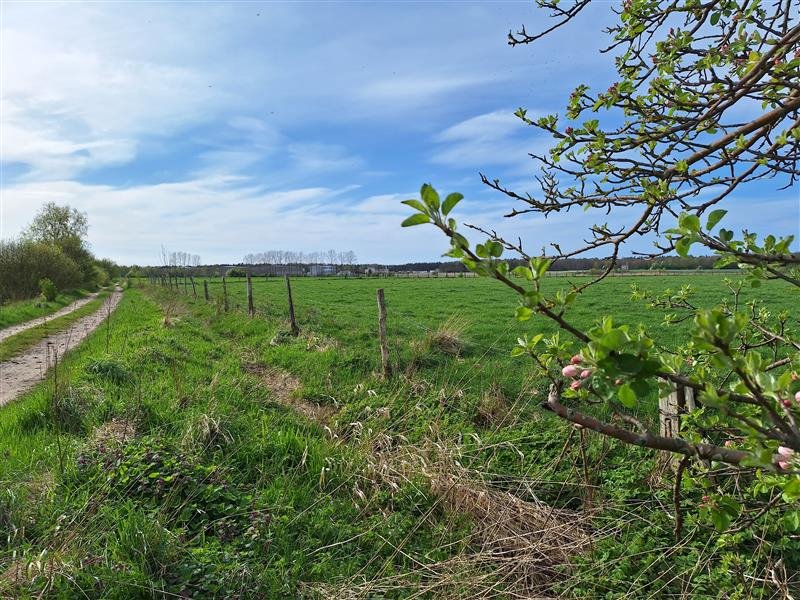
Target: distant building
322,270
376,270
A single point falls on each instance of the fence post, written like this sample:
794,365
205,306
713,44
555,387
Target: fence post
225,294
185,285
205,289
194,289
386,367
670,408
250,308
292,322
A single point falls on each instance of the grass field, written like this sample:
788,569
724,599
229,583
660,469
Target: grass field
211,455
13,313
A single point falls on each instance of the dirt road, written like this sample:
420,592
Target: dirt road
15,329
21,373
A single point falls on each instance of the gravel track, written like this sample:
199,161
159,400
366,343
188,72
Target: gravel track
15,329
23,372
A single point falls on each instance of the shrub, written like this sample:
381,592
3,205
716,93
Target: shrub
23,264
48,289
236,272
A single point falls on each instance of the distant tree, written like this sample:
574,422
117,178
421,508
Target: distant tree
707,100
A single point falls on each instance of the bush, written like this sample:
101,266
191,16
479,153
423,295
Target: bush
23,264
236,272
48,289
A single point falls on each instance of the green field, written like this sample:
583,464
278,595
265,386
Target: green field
211,455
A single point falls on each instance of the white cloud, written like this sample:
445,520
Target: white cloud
223,218
497,138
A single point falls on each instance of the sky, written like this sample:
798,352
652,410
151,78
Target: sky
227,128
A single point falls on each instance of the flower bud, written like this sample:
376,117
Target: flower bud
586,373
784,451
576,360
576,385
570,371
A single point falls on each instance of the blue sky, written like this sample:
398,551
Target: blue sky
228,128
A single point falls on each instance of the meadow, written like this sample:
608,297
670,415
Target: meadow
209,454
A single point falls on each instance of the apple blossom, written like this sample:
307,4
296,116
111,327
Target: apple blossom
576,360
586,373
576,385
570,371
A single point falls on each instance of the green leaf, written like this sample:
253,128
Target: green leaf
714,217
523,313
627,396
689,222
430,196
715,18
416,204
720,518
417,219
682,246
450,202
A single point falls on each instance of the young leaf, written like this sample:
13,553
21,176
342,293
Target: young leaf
714,217
417,219
430,196
416,204
450,202
627,396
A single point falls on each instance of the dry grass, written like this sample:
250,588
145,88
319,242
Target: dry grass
285,389
517,547
493,407
115,432
206,431
447,339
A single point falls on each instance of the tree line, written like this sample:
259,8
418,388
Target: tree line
52,255
289,257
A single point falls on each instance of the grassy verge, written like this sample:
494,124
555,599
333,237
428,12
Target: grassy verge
17,344
14,313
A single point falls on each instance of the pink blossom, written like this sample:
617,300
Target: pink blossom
728,443
618,382
784,464
797,396
576,360
586,373
576,385
787,403
784,451
570,371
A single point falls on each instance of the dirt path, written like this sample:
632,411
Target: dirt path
15,329
21,373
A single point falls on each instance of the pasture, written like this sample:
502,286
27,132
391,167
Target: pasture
208,453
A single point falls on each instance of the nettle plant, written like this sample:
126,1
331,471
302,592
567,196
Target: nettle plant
674,149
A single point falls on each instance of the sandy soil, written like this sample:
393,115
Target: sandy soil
15,329
21,373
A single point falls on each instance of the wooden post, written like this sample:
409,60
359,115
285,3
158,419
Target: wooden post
385,365
292,322
185,285
225,294
670,408
250,308
205,289
194,289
